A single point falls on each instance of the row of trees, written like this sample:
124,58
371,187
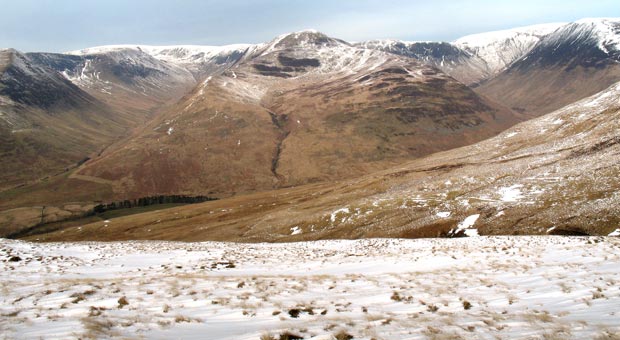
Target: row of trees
150,200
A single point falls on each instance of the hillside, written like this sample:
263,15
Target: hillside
127,79
534,69
306,108
557,174
472,59
575,61
47,124
303,108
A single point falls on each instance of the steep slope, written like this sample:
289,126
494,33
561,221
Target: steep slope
139,81
575,61
302,108
557,174
474,58
126,78
499,49
47,124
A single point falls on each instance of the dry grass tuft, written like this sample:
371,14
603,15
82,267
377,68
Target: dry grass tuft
122,302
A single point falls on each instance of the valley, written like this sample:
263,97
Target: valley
336,140
213,170
554,174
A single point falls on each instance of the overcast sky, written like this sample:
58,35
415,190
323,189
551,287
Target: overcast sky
63,25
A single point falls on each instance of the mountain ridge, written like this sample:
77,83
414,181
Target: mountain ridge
309,96
302,108
575,61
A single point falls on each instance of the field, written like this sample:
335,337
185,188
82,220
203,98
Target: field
540,287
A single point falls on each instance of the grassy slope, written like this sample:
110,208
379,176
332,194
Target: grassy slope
302,130
542,90
557,171
64,224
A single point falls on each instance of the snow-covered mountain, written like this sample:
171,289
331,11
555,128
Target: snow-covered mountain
124,78
573,62
28,83
306,107
470,59
474,58
301,108
164,71
339,129
201,61
586,43
500,49
47,123
309,52
142,78
458,63
532,69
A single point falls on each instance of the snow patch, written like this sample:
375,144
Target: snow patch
511,193
468,222
466,227
471,232
334,214
443,214
511,134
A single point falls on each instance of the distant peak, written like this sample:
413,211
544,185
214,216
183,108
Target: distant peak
487,38
303,34
307,37
604,31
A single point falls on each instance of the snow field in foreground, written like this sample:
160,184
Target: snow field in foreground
470,288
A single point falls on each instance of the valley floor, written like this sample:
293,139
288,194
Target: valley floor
470,288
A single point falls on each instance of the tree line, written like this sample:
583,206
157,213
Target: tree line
150,200
46,227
